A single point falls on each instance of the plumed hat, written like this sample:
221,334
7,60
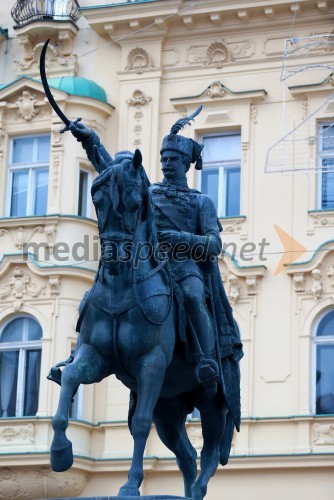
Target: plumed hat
188,147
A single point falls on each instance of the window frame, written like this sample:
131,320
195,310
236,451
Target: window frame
318,340
22,347
31,167
85,169
321,154
223,166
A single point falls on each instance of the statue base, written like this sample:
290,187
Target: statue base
145,497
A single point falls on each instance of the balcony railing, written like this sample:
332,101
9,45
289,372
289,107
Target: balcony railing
28,11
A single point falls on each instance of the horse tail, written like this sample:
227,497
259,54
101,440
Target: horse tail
226,440
132,409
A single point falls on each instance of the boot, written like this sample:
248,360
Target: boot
207,374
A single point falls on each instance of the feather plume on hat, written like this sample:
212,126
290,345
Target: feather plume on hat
181,144
182,122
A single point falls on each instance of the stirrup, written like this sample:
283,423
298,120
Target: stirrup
207,371
55,375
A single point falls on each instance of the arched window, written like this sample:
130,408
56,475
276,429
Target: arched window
324,360
20,363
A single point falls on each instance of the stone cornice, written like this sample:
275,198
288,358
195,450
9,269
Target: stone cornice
177,15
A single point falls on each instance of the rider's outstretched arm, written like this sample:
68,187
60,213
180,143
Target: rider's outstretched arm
96,152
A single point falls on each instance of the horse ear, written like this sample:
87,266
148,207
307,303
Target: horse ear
137,159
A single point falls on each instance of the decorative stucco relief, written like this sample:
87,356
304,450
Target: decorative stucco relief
56,136
216,89
27,105
138,60
55,164
330,274
216,54
242,50
20,285
233,291
2,137
59,59
316,283
299,281
318,220
30,483
251,285
138,100
16,434
323,434
317,286
233,224
22,236
219,53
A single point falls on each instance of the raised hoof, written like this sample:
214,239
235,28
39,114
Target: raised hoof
61,459
128,491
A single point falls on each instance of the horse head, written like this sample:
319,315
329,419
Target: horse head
129,199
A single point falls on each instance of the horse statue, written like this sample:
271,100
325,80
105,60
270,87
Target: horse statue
129,328
132,323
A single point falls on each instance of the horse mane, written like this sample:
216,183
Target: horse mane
148,212
120,166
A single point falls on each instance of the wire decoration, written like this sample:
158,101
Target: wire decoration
295,151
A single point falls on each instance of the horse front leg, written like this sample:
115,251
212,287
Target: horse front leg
213,417
149,382
80,371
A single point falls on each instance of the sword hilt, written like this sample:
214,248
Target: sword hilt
67,127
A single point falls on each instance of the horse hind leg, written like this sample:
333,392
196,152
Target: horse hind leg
80,371
213,416
169,419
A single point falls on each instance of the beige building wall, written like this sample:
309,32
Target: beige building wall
158,61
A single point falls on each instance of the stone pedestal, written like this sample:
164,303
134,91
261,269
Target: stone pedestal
145,497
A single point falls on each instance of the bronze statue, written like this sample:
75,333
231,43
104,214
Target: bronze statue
160,321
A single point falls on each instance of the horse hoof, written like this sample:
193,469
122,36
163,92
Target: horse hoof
128,491
61,459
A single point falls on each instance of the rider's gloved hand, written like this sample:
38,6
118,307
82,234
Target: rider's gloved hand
210,243
80,131
171,237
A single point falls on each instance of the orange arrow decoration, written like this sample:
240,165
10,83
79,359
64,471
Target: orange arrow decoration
292,249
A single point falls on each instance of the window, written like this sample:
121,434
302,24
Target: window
20,363
326,165
324,363
220,177
28,176
84,199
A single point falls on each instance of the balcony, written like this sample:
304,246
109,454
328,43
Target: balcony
25,12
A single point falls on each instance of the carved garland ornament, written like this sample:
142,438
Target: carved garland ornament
138,100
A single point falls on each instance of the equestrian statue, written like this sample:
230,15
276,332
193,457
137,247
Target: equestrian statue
157,315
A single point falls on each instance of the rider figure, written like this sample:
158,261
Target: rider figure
186,220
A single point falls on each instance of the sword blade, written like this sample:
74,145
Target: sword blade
46,87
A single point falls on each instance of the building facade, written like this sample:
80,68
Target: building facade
263,72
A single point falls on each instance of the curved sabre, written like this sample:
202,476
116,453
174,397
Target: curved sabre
47,90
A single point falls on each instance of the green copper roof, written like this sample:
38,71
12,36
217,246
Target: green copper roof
72,85
75,85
